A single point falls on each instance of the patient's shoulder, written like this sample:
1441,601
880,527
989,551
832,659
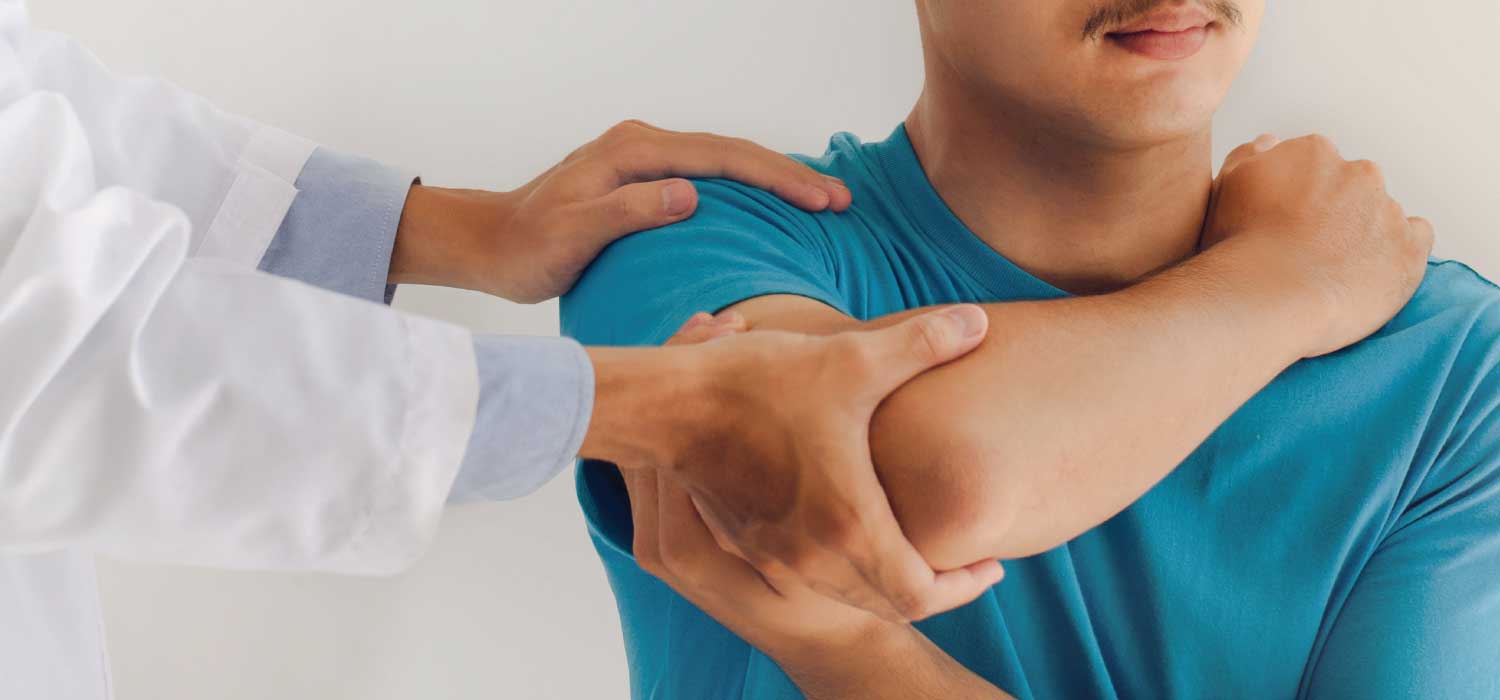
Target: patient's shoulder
1447,336
1454,300
727,203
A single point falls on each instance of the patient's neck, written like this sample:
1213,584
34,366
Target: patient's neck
1086,218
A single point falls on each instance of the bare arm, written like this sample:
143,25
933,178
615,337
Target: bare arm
1070,409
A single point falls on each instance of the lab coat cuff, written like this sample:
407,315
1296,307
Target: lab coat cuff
536,398
340,230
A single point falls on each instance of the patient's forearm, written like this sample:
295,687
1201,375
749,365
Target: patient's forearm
1072,409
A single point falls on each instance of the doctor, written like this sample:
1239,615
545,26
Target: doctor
196,366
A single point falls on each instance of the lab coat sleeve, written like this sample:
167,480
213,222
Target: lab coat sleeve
536,395
231,176
165,406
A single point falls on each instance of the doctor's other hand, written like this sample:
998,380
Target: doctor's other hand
532,244
1334,244
769,433
831,650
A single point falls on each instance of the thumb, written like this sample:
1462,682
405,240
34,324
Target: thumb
920,343
636,207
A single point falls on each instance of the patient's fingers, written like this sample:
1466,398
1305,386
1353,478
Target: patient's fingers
1246,151
1426,236
1237,157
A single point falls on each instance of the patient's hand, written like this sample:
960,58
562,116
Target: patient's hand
1335,236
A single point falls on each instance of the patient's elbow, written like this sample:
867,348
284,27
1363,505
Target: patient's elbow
948,487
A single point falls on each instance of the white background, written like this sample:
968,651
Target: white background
511,602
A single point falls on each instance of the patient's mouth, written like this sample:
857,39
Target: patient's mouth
1170,33
1162,45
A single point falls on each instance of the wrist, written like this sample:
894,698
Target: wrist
877,660
445,237
648,403
1264,288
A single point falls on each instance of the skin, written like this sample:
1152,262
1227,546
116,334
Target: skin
1088,166
809,501
531,244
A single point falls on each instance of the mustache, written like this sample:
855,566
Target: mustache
1114,14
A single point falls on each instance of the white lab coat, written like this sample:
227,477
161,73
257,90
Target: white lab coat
160,399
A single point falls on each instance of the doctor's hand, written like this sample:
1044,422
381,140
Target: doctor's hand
769,433
532,244
1333,243
831,650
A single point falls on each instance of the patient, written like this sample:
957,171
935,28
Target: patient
1332,525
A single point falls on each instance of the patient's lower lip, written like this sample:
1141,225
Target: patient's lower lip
1163,46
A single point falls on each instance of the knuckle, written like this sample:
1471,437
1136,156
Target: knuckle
623,137
929,339
624,129
909,603
621,207
1424,230
628,150
847,351
728,147
1368,169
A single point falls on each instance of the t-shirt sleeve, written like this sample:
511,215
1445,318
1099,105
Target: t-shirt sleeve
1423,617
741,243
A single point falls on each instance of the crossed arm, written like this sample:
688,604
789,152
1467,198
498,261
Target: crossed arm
1068,411
1066,379
1071,409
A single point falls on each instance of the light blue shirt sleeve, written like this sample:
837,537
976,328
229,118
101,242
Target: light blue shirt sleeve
536,395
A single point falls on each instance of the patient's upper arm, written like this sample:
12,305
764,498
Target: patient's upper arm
928,441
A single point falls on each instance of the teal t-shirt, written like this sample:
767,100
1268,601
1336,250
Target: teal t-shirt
1338,537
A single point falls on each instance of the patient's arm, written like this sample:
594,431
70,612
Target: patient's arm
1073,408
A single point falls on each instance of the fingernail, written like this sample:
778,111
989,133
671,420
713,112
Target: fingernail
971,319
677,198
698,319
1266,142
836,183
